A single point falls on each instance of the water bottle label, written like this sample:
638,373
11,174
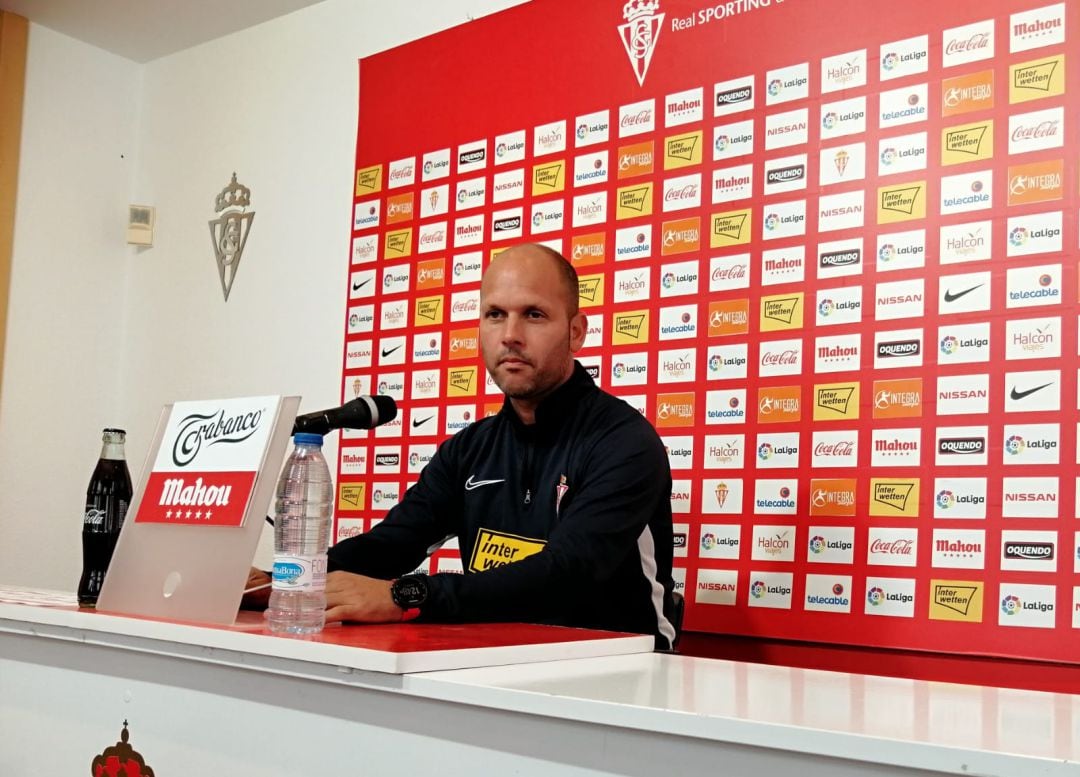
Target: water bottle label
299,573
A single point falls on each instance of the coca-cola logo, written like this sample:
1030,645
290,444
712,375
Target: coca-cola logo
1044,129
734,272
896,547
633,119
841,448
198,428
687,192
978,41
778,358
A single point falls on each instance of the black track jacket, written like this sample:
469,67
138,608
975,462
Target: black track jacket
566,521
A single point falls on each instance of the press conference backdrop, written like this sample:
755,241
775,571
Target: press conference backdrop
827,248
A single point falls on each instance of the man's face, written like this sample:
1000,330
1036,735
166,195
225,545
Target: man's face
527,335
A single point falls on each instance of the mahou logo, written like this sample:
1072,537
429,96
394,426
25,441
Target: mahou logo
640,34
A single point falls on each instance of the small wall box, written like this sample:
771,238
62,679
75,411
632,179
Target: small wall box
140,229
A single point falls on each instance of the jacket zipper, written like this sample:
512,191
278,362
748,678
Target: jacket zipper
527,472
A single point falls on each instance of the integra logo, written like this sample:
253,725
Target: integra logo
962,446
1029,551
847,258
735,96
387,459
786,174
506,225
898,349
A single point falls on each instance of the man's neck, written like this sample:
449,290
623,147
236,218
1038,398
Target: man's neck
526,407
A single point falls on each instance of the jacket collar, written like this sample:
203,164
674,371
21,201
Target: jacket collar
558,406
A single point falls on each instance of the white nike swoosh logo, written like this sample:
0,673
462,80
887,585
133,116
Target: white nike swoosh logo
471,484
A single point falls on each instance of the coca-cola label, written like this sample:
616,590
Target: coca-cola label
1036,130
894,547
969,43
835,448
637,118
682,192
729,272
402,172
780,357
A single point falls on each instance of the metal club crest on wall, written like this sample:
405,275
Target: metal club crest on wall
640,34
229,231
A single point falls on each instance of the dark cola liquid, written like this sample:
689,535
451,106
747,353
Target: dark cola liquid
107,500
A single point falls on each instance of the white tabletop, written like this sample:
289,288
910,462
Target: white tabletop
386,648
958,729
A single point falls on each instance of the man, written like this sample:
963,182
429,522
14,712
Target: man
560,502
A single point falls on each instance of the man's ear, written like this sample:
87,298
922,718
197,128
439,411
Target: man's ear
579,328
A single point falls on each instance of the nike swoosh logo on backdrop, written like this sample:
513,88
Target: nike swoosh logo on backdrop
358,286
386,352
471,484
420,422
1014,394
950,297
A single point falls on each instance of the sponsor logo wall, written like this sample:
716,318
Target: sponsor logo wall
839,275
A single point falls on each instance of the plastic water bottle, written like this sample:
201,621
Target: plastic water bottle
301,537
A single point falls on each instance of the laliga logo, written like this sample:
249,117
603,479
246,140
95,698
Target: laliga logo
211,429
640,34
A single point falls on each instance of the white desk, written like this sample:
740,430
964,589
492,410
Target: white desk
68,682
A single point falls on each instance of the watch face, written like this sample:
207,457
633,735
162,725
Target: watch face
410,591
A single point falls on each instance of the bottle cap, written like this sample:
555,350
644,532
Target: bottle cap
306,438
113,435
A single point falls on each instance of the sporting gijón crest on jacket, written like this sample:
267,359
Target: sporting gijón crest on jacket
565,521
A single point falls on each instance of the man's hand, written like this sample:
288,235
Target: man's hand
256,600
352,597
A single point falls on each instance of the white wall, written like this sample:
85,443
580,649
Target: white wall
101,334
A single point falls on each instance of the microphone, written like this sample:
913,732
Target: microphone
364,412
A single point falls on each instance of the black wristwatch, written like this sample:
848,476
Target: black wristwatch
409,591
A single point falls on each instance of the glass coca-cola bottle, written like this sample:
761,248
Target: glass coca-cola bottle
107,500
